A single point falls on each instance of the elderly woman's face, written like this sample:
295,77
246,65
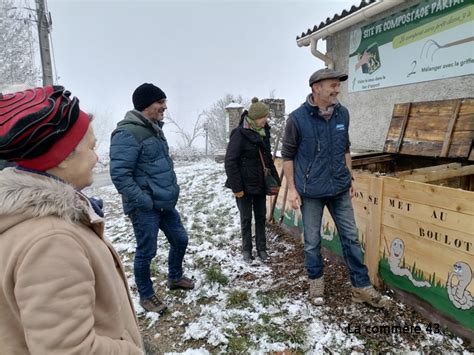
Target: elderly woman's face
77,168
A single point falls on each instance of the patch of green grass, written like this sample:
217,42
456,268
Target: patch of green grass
239,345
200,206
268,298
197,227
238,299
219,231
266,318
214,274
294,334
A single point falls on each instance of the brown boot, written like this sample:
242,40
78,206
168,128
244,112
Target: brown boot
371,296
316,291
153,304
183,283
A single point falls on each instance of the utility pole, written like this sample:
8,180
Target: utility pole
206,128
43,36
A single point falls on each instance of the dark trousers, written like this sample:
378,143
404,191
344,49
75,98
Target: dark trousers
146,225
245,205
340,208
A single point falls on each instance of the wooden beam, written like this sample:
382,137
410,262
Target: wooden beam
373,227
405,173
442,174
403,128
358,161
449,133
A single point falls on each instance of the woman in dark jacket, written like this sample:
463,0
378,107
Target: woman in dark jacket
249,144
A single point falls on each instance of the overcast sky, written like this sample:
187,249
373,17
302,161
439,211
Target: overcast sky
196,51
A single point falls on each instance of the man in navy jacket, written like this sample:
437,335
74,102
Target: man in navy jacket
142,171
317,166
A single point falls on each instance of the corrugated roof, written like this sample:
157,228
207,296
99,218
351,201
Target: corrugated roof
336,18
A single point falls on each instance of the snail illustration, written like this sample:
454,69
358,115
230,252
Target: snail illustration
396,253
459,296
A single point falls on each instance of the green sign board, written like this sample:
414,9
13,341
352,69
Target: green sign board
431,40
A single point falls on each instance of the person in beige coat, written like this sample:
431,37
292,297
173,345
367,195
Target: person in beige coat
63,289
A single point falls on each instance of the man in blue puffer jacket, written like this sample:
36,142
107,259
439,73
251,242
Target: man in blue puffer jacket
317,166
142,171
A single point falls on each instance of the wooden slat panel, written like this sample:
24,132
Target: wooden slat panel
424,135
373,230
428,169
467,106
424,122
397,127
446,173
435,128
439,107
457,150
437,196
402,129
417,251
413,147
359,162
465,122
446,237
429,214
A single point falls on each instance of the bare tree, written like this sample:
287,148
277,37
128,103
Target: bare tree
277,120
188,138
216,116
17,46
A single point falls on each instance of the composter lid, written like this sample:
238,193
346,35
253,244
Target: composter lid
433,129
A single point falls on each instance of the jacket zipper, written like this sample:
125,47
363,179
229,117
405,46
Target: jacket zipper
306,177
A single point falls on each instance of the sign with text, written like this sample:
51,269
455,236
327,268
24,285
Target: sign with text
428,41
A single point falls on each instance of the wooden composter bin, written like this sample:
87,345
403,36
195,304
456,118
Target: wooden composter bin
414,209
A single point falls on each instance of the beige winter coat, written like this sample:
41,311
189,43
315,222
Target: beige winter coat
62,286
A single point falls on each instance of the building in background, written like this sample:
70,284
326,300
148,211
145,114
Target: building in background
395,52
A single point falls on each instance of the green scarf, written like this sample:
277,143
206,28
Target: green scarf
253,126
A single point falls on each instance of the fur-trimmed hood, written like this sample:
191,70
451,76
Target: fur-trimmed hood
27,195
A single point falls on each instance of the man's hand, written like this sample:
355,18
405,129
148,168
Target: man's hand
239,194
294,198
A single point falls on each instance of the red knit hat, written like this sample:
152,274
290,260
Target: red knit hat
40,127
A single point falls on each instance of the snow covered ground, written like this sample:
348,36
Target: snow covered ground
241,308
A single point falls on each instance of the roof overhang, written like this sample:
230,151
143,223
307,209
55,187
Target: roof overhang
363,14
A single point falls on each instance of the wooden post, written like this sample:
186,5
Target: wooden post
374,226
403,128
449,133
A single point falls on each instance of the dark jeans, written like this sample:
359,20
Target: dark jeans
340,208
146,225
245,205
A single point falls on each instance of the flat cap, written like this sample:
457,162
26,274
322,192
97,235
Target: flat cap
326,73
